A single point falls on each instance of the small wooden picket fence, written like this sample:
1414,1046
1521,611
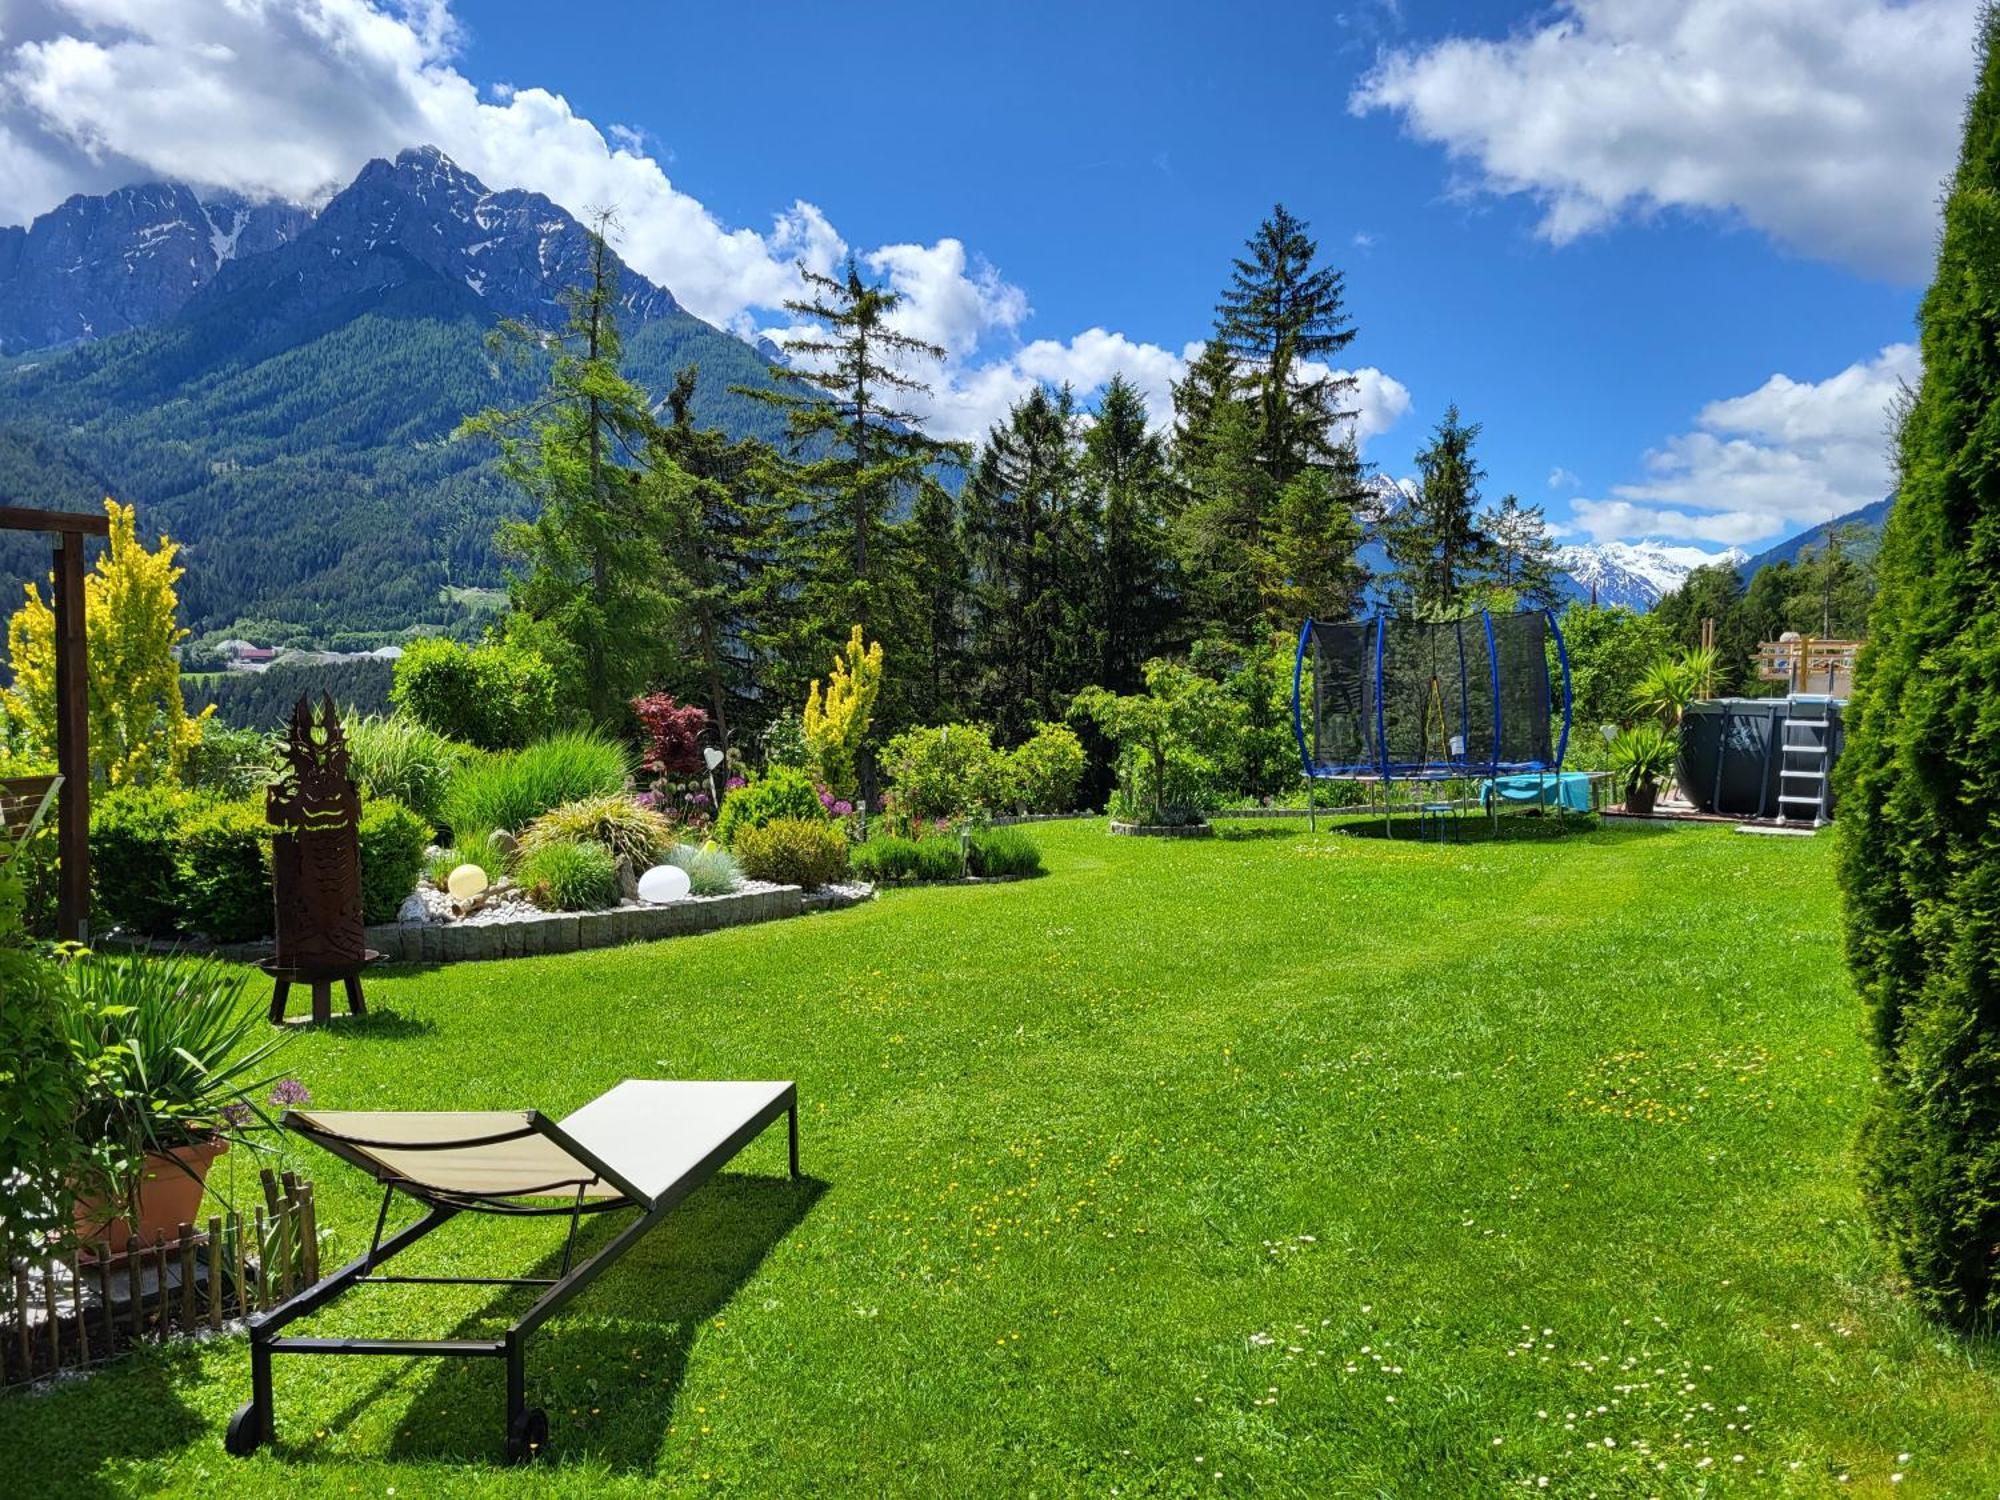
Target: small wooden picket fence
91,1303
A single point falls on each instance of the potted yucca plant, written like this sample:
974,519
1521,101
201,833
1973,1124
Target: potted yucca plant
166,1046
1642,759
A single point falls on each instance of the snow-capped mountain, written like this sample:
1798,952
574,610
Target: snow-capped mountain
1635,574
97,265
423,217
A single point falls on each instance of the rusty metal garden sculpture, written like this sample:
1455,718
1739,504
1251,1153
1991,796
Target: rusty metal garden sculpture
316,866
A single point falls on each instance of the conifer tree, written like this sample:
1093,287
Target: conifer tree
857,458
1434,540
1523,558
1030,544
1282,319
1919,781
719,541
591,595
1125,473
937,687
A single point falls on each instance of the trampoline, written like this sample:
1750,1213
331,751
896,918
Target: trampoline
1384,700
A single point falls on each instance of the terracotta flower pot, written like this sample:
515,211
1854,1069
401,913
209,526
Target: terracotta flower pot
170,1192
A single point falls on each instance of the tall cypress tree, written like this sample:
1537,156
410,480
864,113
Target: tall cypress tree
1919,816
1125,473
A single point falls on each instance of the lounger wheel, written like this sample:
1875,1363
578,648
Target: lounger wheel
246,1431
527,1435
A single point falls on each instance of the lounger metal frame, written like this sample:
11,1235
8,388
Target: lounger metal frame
527,1427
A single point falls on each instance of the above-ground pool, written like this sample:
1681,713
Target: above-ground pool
1729,758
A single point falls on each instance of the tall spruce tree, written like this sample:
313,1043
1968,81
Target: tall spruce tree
1523,558
942,577
1282,319
1126,477
1434,540
719,541
591,593
1031,543
857,458
1919,781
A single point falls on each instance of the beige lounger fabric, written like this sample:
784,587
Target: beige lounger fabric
651,1132
534,1162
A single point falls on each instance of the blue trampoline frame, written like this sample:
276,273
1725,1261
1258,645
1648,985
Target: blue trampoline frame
1382,771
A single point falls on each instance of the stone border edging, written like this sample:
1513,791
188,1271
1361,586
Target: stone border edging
1164,830
554,932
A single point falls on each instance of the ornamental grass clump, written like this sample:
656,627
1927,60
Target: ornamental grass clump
393,755
621,826
885,857
510,789
569,877
473,847
710,871
1003,851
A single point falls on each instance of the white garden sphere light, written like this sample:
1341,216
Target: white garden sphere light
465,882
663,883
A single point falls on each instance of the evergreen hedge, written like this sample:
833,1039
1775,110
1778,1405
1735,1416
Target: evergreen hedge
1920,777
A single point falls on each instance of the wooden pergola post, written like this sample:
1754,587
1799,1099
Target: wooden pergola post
72,708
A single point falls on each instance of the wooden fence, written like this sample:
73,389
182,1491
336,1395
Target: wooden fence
91,1303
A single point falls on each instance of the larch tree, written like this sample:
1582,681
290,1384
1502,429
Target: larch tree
1919,781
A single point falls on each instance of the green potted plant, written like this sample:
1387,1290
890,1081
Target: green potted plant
1642,758
168,1055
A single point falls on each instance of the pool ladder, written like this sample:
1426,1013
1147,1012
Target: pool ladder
1804,753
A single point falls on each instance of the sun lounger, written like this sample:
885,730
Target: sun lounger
644,1145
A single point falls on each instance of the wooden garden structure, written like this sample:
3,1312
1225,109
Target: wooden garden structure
70,529
1808,664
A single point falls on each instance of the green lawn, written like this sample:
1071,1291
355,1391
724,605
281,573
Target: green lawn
1266,1165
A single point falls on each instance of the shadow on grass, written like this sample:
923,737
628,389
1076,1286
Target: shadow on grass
383,1024
59,1440
1477,828
1244,833
609,1368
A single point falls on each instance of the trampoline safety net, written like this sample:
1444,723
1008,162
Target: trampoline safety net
1413,698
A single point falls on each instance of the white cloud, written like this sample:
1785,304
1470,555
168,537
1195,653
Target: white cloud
287,98
1781,458
1561,479
1827,124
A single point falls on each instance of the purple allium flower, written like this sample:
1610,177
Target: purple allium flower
699,799
289,1092
842,809
236,1116
733,783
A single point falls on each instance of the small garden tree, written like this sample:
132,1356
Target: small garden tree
140,729
1920,779
836,721
1171,740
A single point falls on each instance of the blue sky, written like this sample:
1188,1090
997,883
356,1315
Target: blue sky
1657,249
